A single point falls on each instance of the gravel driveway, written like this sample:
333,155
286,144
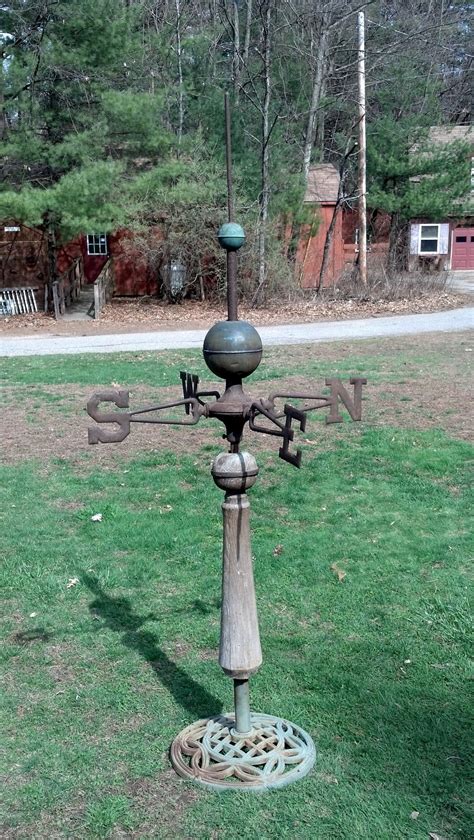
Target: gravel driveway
449,321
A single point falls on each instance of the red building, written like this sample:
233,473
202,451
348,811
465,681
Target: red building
330,211
133,271
23,259
322,194
447,243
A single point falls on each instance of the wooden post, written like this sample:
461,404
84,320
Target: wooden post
240,654
96,300
56,301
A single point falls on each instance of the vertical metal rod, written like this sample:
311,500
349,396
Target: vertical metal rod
242,706
231,255
362,187
232,286
228,150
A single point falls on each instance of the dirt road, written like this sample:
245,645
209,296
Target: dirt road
448,321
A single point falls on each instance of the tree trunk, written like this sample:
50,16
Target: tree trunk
2,99
327,247
318,83
49,224
340,195
236,62
248,24
397,245
319,133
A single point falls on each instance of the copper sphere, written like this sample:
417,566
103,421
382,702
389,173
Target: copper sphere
232,349
231,236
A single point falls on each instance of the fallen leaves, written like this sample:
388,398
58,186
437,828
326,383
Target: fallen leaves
194,314
341,574
277,550
328,778
156,311
72,582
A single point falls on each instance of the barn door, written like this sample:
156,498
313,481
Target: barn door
462,256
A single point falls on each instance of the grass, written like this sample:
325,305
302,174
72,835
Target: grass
162,369
100,675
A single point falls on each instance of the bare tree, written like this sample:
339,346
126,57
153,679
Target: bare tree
322,39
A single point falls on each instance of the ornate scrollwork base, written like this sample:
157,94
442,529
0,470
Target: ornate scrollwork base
273,754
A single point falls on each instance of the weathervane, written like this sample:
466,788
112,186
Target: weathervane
242,750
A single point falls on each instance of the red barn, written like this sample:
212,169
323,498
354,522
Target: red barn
23,259
322,193
134,274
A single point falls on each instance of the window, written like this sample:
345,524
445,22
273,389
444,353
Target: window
97,244
429,239
461,238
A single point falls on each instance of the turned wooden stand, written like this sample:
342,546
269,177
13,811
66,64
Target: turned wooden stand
244,750
240,654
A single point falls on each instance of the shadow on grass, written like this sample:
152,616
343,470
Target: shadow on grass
119,616
37,634
206,609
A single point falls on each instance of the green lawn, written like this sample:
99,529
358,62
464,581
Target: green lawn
102,673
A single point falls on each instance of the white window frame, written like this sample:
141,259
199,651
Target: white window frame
95,246
420,237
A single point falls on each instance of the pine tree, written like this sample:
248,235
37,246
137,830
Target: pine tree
72,124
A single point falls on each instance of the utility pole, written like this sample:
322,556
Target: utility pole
362,181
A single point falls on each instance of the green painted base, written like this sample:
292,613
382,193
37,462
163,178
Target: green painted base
274,754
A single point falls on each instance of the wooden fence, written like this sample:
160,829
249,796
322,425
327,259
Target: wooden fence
103,289
67,289
18,301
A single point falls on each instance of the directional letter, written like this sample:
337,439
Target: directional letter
338,392
120,399
190,383
288,434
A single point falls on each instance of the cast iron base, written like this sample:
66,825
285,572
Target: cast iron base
273,754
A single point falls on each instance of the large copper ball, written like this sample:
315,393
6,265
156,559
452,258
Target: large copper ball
232,349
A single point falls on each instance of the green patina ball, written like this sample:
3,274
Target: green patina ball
232,349
231,236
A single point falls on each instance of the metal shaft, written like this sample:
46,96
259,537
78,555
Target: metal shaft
231,255
242,706
232,286
228,150
362,178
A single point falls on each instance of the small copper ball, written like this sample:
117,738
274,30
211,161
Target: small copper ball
231,236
